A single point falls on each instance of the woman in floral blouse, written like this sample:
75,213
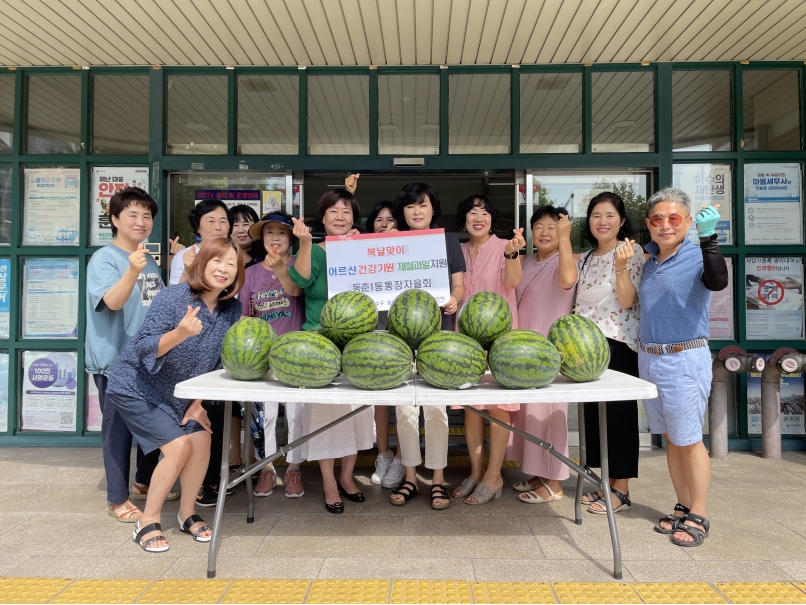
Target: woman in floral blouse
608,295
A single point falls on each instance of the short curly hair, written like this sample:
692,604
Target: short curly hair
477,201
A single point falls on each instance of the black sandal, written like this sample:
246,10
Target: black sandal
146,546
674,520
438,492
693,531
185,526
626,503
408,490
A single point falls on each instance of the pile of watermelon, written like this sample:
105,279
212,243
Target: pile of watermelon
371,359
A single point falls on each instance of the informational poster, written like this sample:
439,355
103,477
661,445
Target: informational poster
772,198
383,265
49,390
774,297
720,313
5,297
272,201
3,392
792,402
708,185
51,207
50,298
105,183
94,416
231,198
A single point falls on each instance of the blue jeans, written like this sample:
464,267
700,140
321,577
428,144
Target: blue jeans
117,448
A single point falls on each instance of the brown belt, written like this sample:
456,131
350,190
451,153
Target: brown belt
676,347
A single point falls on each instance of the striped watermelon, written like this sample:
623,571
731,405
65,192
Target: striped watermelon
245,348
523,359
305,359
448,360
377,361
484,317
583,348
347,315
414,316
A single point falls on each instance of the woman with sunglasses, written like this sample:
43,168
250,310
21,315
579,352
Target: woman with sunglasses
607,294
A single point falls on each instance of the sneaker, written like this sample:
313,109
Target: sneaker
293,484
266,482
381,466
395,474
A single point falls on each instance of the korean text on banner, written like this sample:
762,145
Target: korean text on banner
106,181
707,185
720,313
50,298
49,390
5,297
231,197
51,207
383,265
774,297
772,194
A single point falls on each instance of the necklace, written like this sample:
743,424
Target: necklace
539,271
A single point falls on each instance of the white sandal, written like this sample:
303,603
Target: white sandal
532,497
525,486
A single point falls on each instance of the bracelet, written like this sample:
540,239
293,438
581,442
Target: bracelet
512,256
625,269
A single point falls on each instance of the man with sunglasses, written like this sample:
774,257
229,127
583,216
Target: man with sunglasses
675,293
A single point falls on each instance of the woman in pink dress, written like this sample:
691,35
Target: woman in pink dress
492,266
545,293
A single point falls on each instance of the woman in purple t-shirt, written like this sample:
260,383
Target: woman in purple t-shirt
269,293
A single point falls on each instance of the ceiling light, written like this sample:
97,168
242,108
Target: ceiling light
624,124
388,127
429,126
197,126
243,126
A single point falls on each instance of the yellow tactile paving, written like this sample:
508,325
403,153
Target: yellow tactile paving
101,591
267,591
31,590
677,592
430,591
761,592
184,591
512,592
595,592
349,591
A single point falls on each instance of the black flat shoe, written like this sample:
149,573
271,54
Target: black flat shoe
356,497
337,508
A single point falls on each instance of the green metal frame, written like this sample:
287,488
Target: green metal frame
660,163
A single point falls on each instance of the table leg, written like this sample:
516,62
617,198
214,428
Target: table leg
246,456
583,462
223,482
611,516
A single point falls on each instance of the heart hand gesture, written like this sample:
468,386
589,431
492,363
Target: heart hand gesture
190,324
301,231
624,254
516,243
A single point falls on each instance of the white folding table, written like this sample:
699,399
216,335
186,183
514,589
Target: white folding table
611,386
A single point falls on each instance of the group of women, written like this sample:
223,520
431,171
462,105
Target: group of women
241,266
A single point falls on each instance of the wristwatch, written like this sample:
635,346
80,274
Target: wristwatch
512,256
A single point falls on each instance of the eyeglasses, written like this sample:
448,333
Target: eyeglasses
656,220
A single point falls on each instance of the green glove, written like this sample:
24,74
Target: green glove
707,218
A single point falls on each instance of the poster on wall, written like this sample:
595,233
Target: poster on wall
792,402
272,201
774,297
5,297
708,184
49,390
50,298
94,416
105,183
772,195
51,207
231,198
720,313
3,392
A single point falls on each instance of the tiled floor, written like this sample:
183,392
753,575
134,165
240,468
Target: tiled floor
53,524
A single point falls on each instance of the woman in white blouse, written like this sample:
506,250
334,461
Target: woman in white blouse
609,276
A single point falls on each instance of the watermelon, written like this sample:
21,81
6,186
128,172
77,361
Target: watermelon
414,316
347,315
484,317
523,359
305,359
245,348
448,360
583,348
377,361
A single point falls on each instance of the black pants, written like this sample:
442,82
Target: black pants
215,412
622,421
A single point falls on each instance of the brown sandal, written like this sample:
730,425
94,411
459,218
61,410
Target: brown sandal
126,512
140,492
